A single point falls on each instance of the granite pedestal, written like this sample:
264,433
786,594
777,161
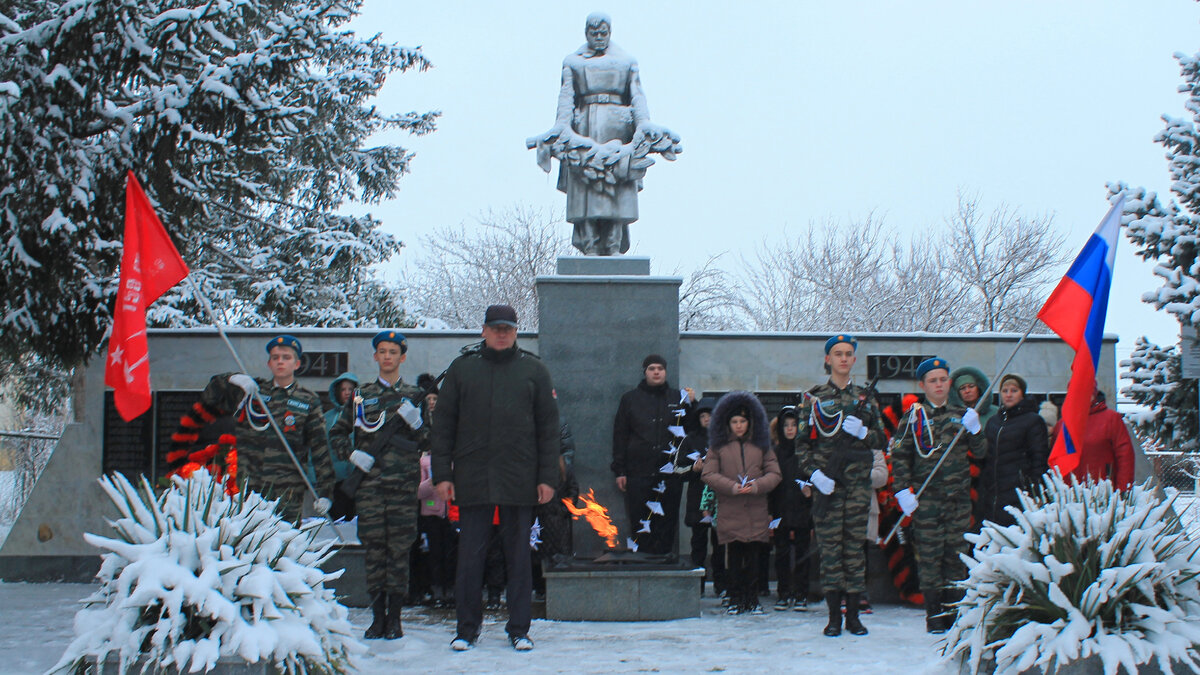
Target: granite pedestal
623,595
599,317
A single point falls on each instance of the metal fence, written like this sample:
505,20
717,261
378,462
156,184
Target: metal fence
23,455
1180,470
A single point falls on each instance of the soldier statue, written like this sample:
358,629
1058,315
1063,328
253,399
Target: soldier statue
602,137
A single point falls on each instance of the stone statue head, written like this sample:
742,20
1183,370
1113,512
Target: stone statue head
597,31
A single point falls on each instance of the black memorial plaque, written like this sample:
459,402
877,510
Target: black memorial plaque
127,446
323,364
894,366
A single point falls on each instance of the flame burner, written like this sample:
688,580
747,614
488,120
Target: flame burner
619,584
624,558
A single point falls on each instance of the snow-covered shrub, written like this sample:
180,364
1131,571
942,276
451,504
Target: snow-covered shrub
1085,571
194,574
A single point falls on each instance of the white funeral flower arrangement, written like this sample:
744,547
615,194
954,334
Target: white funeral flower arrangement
1086,571
193,574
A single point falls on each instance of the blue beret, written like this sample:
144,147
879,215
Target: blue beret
285,341
839,339
391,336
932,364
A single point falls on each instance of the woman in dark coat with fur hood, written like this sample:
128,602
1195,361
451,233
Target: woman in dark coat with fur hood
742,470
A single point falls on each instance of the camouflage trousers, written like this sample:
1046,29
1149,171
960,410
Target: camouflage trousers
841,531
387,528
938,528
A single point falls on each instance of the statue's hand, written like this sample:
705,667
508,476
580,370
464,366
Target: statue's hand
651,131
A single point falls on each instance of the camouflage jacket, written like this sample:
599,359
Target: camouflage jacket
923,435
297,411
365,414
820,436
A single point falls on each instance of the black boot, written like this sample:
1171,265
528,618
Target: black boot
392,630
833,599
950,596
934,622
379,612
852,623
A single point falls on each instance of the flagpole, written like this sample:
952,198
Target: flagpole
978,405
208,308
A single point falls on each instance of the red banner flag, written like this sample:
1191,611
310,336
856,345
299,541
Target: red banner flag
150,265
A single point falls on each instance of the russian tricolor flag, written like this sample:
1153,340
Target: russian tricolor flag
1076,311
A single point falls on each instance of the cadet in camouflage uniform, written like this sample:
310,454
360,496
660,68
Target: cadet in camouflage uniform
387,497
840,423
262,460
938,529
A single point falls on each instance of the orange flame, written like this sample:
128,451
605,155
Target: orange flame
597,517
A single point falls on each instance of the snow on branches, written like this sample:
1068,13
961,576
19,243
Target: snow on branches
1169,419
1086,571
194,574
248,124
1167,233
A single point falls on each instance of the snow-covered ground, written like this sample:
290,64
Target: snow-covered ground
35,627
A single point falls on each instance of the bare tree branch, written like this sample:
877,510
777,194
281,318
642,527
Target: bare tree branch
464,268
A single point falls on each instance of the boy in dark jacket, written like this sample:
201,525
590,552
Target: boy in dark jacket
647,433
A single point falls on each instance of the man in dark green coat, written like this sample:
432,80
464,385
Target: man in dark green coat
495,445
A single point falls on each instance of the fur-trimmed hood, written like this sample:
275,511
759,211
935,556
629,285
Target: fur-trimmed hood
718,426
981,381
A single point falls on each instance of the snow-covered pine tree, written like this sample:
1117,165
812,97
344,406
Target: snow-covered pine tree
193,574
1169,421
1167,233
1087,572
248,124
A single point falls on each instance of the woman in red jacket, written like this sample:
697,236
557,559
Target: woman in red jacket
1107,450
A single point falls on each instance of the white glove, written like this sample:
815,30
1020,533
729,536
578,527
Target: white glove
410,413
362,460
854,426
907,500
322,506
970,420
823,483
245,382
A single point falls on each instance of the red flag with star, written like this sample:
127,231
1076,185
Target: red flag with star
150,266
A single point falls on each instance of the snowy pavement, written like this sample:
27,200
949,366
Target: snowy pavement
35,627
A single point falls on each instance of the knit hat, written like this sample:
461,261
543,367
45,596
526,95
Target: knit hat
965,378
1017,379
1048,412
652,359
426,382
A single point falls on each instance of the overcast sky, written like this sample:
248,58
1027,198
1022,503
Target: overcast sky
799,112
